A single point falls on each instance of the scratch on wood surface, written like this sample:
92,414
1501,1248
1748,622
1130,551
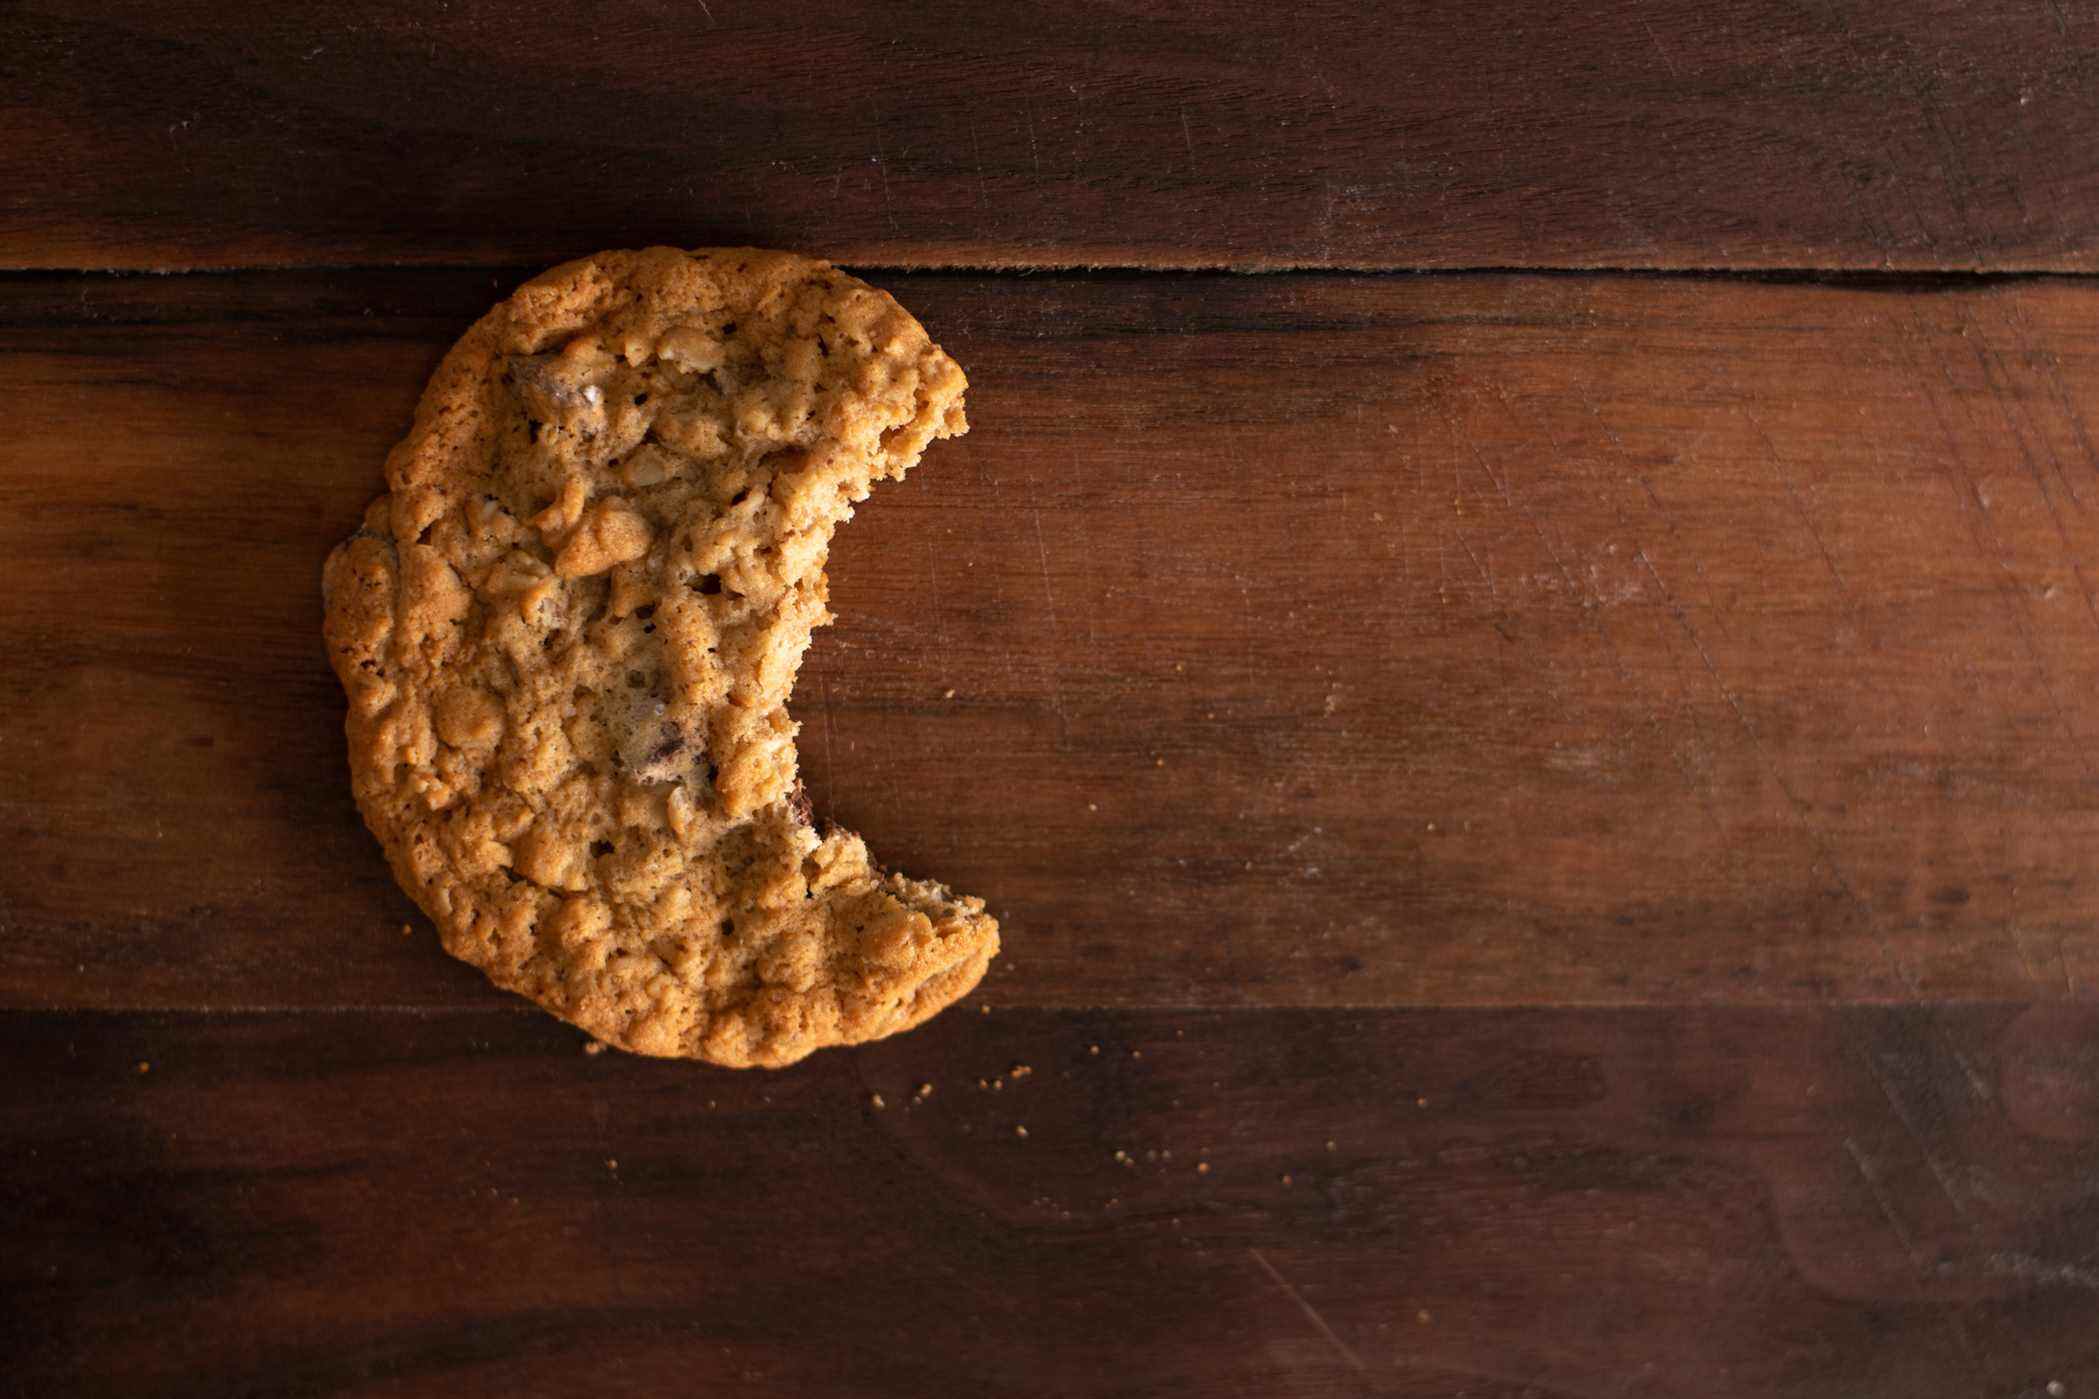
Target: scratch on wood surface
1989,360
1691,633
1977,1084
1668,518
1909,1126
2031,1269
823,696
1656,39
1049,593
882,167
2033,973
2001,391
1938,1031
1311,1312
1880,1198
2071,412
1188,140
1785,481
1984,536
1484,571
2022,328
937,592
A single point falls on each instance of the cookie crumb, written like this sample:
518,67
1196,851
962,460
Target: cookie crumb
1422,1317
874,1100
1136,1054
948,695
1330,1144
145,1066
925,1091
1093,1049
1286,1177
1020,1071
1158,762
1202,1168
1020,1132
1421,1102
612,1163
593,1047
406,931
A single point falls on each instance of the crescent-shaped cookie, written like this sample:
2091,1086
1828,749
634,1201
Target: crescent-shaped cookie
569,631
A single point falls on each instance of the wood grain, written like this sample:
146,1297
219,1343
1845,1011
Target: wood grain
1312,641
1861,1204
1662,133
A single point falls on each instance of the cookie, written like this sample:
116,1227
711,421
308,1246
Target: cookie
569,631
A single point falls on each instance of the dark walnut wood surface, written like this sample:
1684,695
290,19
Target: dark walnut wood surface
1545,818
1653,133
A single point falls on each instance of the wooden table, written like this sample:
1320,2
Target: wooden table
1537,757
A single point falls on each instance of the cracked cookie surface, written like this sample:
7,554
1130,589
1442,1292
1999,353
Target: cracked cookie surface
569,631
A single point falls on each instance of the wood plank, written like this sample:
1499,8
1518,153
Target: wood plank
1670,133
1807,1202
1312,640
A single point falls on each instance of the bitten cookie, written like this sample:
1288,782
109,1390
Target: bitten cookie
569,631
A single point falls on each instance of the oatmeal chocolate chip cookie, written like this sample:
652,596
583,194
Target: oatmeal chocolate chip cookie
568,635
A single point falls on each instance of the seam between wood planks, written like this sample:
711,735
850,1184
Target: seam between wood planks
1837,1004
1892,279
